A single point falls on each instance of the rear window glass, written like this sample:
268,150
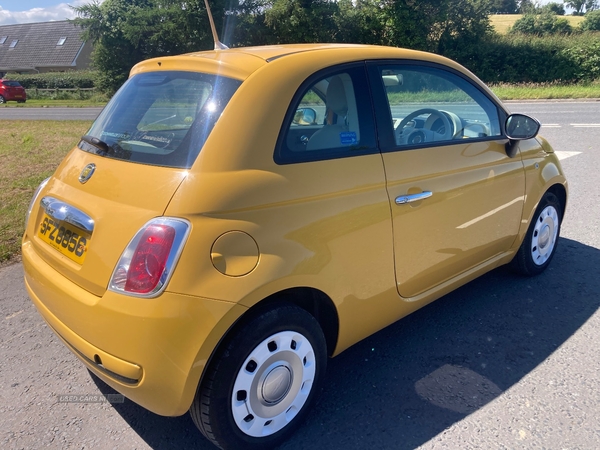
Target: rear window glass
11,83
160,118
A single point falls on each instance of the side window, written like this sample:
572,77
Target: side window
429,105
331,117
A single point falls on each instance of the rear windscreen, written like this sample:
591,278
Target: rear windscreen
11,83
161,118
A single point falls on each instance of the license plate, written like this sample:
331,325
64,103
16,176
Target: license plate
64,237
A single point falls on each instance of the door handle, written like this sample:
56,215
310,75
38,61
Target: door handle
403,199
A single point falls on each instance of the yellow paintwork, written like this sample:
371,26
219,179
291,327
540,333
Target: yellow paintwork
258,228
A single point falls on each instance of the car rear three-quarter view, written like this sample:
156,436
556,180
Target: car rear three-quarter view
235,217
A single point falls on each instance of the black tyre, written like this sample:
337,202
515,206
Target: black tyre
541,239
2,99
262,381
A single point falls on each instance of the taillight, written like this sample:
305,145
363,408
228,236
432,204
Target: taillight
33,201
148,261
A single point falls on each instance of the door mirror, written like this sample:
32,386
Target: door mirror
520,127
305,116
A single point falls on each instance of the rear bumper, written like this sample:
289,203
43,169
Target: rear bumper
152,351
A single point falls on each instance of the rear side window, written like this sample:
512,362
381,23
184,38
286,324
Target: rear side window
161,118
330,117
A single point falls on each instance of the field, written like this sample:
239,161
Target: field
502,22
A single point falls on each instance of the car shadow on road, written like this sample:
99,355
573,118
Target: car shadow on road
407,383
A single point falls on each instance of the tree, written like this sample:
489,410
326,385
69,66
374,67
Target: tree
126,32
582,5
504,6
527,7
435,25
556,8
293,21
361,21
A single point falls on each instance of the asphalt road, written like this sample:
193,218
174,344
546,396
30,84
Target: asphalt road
503,363
17,113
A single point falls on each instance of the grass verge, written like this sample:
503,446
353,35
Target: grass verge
29,152
49,103
546,91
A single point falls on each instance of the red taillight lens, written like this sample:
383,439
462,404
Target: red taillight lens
150,259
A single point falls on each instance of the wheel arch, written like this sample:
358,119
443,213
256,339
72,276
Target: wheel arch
314,301
561,193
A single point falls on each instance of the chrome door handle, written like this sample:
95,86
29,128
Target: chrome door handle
403,199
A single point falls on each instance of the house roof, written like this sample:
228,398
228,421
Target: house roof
38,45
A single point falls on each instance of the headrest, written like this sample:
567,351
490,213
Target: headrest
336,96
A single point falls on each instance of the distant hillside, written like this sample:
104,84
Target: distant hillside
502,22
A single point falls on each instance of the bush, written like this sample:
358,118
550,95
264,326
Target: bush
586,57
56,80
541,24
591,21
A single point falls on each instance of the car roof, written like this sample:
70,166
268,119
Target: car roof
241,62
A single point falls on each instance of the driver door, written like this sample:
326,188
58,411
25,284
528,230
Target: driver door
456,198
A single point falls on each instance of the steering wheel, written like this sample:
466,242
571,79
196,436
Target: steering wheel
420,135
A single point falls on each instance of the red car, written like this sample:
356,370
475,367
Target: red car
12,91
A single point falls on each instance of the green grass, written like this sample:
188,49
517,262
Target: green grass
549,91
29,152
502,22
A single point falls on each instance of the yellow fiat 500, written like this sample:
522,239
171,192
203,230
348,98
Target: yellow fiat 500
235,217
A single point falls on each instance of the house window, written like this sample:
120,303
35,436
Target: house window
61,41
13,44
3,39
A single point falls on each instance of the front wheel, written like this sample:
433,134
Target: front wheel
541,239
262,382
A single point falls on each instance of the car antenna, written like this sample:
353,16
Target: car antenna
218,44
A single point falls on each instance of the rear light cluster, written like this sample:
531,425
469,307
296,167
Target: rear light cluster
148,261
34,199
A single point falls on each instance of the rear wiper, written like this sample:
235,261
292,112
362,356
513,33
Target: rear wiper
100,145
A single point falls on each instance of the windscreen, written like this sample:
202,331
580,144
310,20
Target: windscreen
160,118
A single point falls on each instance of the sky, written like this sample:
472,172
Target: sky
28,11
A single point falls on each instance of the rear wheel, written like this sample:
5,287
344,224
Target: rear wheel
2,99
262,382
541,239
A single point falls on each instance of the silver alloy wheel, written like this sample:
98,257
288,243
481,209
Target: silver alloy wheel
273,384
544,235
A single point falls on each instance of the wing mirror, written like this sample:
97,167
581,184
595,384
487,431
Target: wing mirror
519,127
305,116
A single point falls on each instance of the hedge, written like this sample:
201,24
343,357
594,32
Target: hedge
511,58
524,58
56,80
